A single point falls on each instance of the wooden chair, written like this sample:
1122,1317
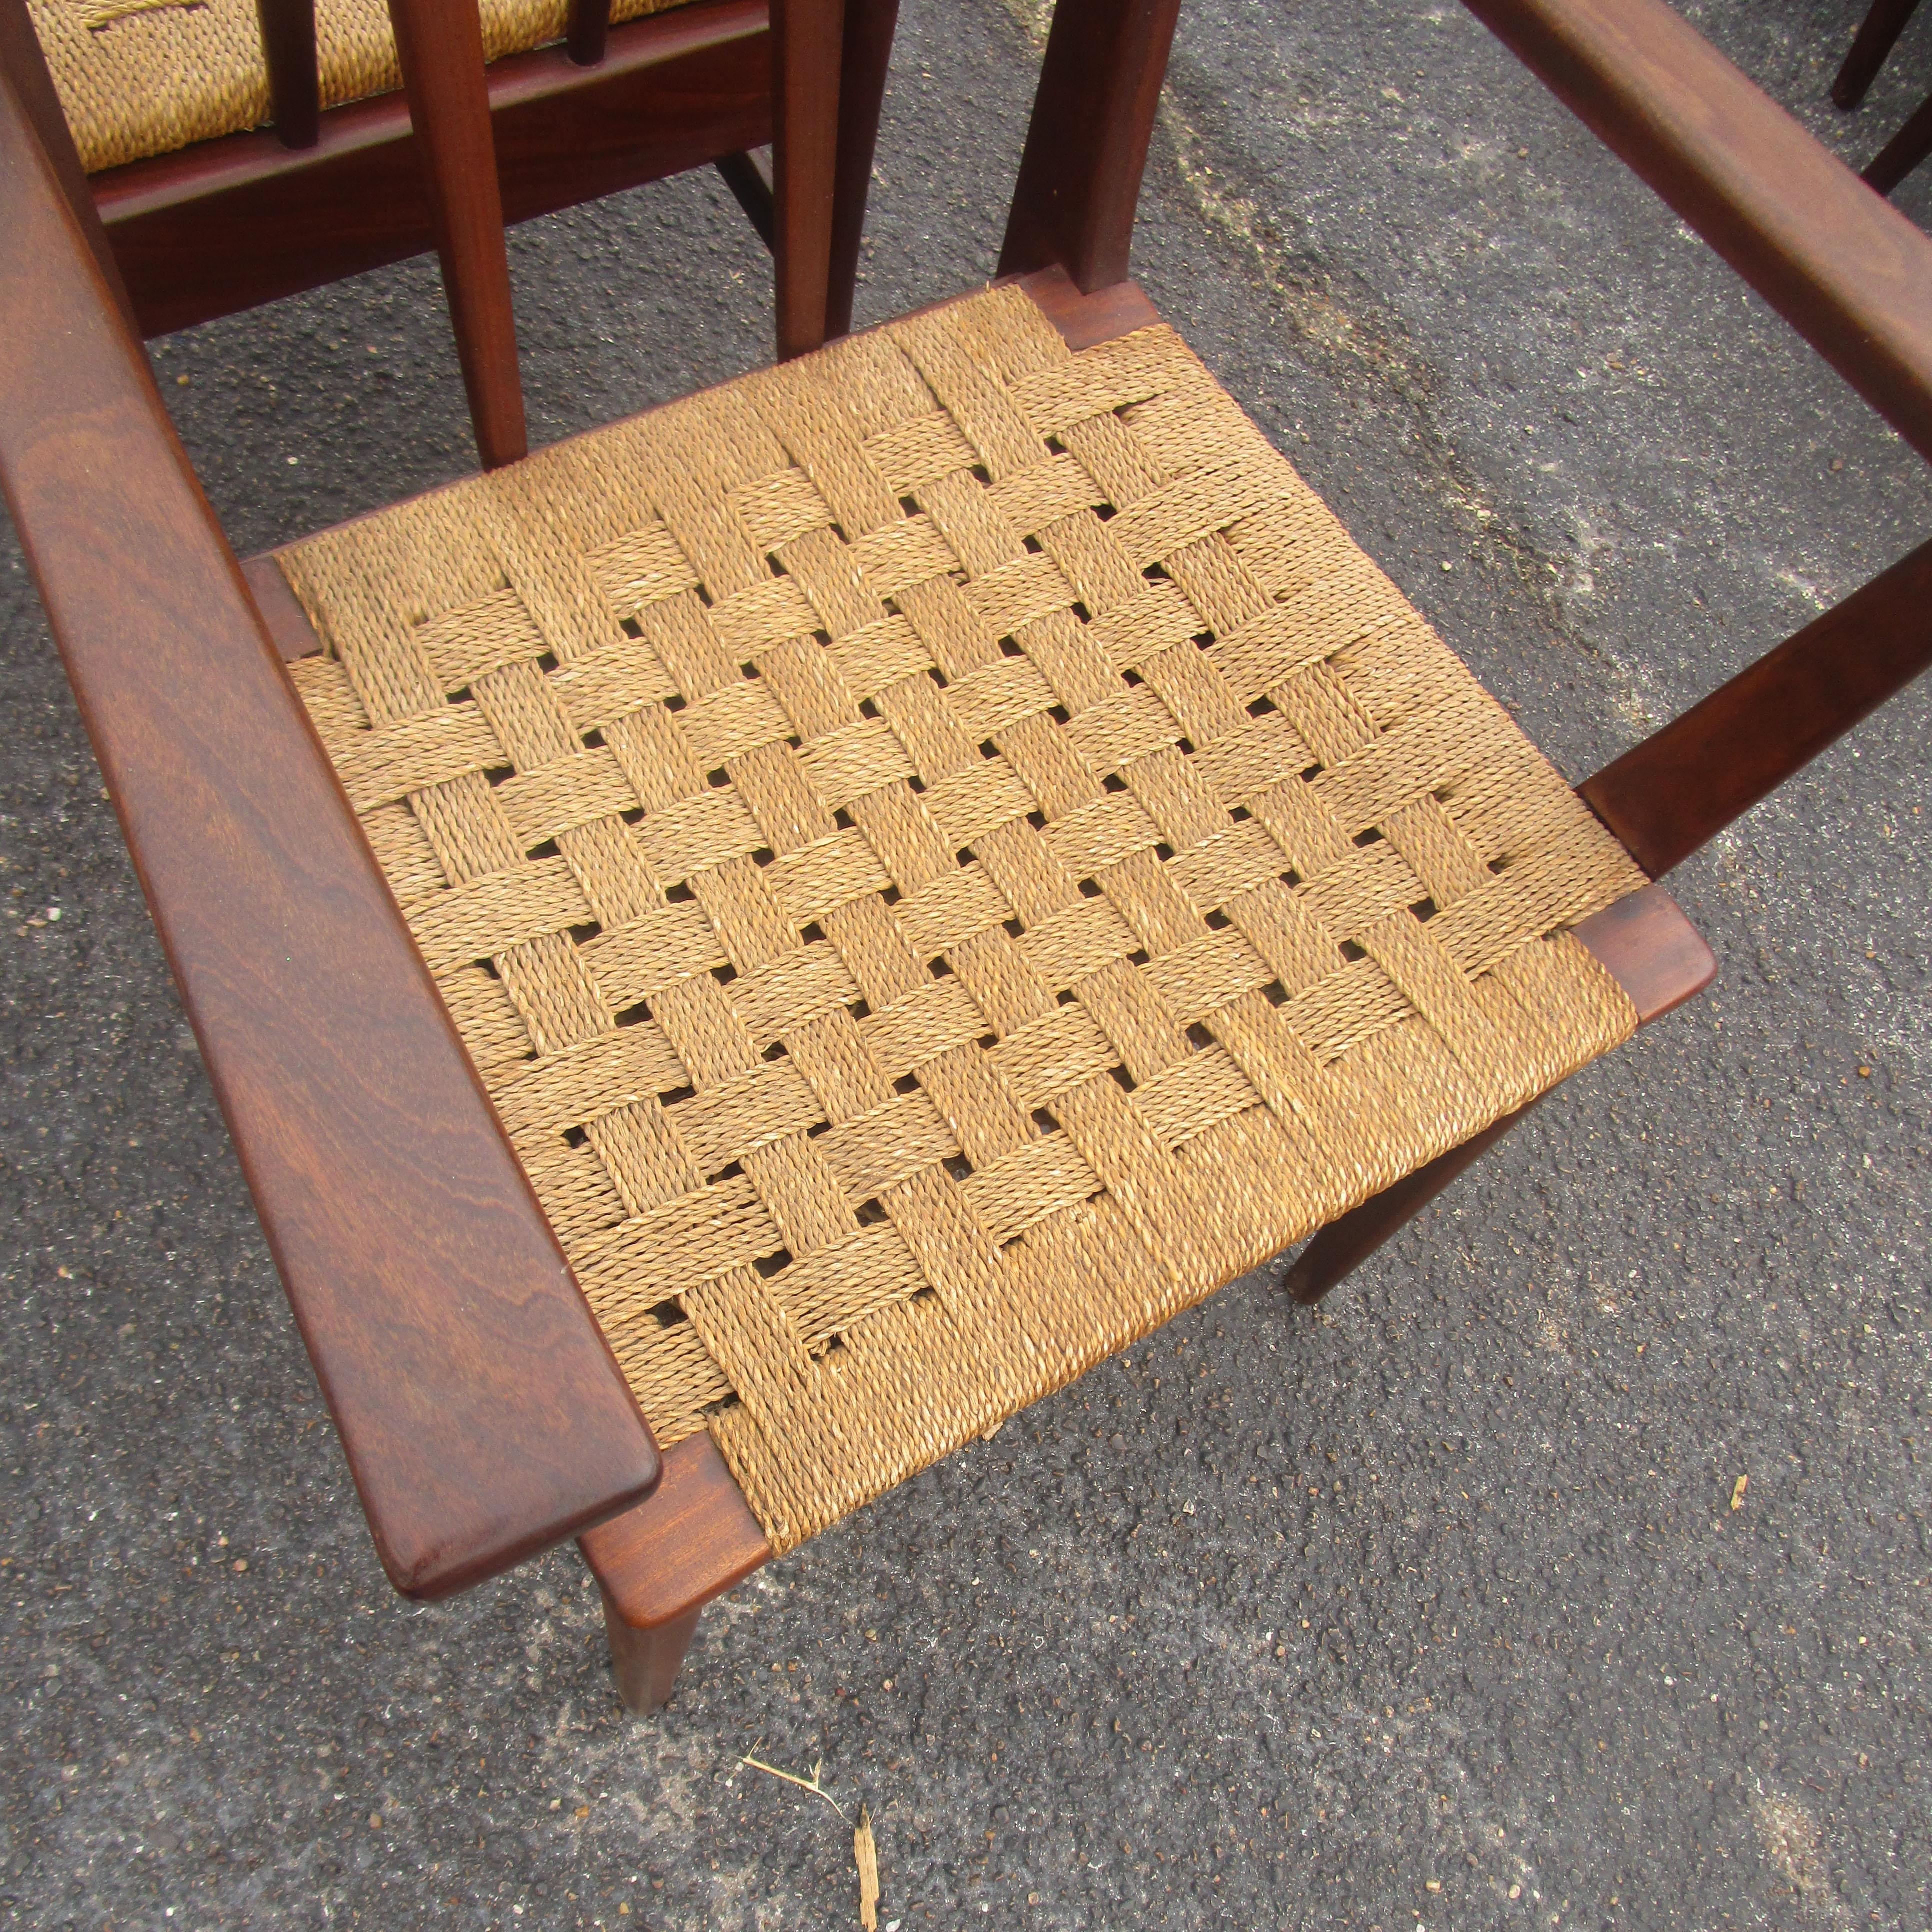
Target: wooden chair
207,213
1878,33
826,910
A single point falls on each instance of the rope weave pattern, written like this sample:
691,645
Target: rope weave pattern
143,77
944,854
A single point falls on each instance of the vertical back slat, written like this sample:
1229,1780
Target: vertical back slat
588,31
295,83
1087,144
26,66
441,45
807,54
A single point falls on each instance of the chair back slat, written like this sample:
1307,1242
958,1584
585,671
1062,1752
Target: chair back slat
1087,144
295,80
440,43
807,59
588,31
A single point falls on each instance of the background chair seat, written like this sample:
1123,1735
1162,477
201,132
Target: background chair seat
139,79
945,854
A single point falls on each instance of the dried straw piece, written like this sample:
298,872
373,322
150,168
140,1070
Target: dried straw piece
945,854
865,1851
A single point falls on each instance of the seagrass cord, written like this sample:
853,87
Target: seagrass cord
943,854
143,77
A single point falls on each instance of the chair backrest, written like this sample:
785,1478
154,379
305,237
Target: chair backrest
440,44
290,52
1853,275
817,205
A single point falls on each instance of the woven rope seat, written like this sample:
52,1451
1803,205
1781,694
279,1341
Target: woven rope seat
944,854
138,78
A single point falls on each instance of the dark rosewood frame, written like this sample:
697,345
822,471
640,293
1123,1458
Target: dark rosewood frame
265,882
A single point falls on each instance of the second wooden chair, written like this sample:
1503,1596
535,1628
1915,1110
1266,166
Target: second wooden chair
206,216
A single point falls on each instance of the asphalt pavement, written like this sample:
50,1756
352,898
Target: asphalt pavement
1571,1567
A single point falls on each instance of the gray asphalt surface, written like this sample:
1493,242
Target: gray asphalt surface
1432,1611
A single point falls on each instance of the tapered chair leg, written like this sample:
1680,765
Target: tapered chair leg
750,181
807,42
1876,34
1648,947
1903,151
441,49
295,84
659,1565
646,1662
589,32
1342,1247
869,25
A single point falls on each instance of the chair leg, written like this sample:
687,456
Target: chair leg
646,1661
441,49
1086,141
1873,40
1644,943
1342,1246
1903,151
869,27
807,56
